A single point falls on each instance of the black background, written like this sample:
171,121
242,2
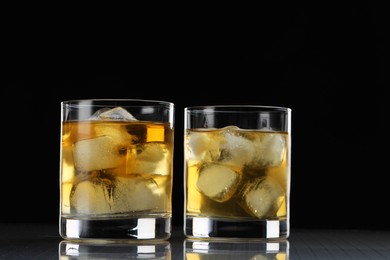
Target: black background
324,62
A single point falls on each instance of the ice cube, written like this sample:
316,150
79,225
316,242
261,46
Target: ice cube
91,198
235,148
123,194
217,182
262,197
150,158
202,146
269,151
96,115
117,114
135,194
97,153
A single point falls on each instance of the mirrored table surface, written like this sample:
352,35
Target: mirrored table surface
41,241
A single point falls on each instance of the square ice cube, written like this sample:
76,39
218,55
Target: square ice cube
91,198
217,182
235,148
149,158
116,113
123,194
96,154
202,145
270,150
135,193
262,197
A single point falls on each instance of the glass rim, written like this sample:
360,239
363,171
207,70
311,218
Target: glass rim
238,108
151,101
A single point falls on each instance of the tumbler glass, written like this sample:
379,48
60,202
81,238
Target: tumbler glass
237,171
116,169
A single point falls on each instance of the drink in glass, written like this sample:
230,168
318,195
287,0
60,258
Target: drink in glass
116,169
237,172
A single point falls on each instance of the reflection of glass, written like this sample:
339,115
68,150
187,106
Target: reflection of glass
116,169
89,250
223,250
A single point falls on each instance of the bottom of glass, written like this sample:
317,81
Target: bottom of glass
116,229
217,228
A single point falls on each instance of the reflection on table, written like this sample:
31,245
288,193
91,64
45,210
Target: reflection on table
224,250
41,241
69,250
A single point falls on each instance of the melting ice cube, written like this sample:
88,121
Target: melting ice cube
235,148
91,198
117,113
135,194
106,150
120,195
217,182
151,158
96,154
262,197
202,146
269,151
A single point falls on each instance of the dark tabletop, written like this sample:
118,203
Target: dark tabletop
41,241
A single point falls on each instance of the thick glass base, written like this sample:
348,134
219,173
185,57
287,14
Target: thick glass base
217,228
116,229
